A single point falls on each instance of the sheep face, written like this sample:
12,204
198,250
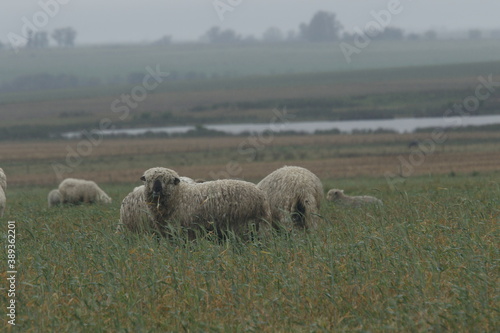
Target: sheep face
105,199
160,184
334,194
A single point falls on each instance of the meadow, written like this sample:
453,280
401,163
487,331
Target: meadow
425,261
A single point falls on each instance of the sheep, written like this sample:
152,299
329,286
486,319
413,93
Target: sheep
216,206
134,213
54,198
75,191
3,180
3,188
187,180
338,196
295,196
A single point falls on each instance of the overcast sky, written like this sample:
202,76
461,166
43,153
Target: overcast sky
118,21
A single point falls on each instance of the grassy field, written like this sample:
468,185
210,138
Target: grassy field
425,261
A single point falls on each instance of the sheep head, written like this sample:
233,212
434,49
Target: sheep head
160,184
334,194
104,198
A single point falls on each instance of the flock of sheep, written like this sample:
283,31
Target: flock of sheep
289,197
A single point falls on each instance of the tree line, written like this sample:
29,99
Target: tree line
323,27
64,37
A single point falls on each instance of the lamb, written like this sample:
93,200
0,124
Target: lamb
216,206
134,213
3,188
295,196
338,196
75,191
54,198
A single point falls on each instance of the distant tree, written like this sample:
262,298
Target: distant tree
64,37
390,33
40,40
475,34
430,35
217,36
323,27
164,41
273,35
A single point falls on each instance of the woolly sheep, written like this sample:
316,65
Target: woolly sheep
75,191
187,180
295,196
338,196
219,205
54,198
3,188
134,213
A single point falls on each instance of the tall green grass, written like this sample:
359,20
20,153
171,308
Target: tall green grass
425,261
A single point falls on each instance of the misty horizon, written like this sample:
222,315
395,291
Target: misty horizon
149,21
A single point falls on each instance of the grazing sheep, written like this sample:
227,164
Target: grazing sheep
338,196
75,191
187,180
54,198
134,213
3,188
294,195
219,206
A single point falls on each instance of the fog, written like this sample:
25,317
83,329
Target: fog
124,21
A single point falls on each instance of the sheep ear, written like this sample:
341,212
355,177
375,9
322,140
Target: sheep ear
176,181
143,178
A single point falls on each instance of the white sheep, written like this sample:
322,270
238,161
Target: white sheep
338,196
54,198
134,213
187,180
218,206
295,196
3,188
75,191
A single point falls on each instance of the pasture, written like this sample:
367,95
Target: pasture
426,260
